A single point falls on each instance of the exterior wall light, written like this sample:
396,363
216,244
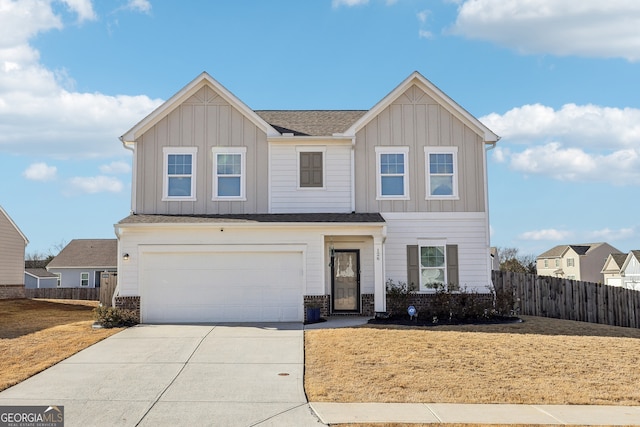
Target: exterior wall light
125,257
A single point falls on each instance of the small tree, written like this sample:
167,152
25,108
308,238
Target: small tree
510,260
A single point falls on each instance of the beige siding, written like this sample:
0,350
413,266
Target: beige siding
12,247
204,121
416,120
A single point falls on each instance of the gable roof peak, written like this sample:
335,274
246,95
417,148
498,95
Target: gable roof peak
415,78
182,95
3,212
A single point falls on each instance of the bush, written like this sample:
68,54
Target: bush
399,297
111,317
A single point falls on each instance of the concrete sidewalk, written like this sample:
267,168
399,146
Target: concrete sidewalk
450,413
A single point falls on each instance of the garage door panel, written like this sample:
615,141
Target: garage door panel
229,286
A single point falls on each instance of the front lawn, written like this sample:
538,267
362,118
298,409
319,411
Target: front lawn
539,361
36,334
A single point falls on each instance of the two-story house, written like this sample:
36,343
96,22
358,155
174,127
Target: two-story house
12,247
577,262
243,215
623,270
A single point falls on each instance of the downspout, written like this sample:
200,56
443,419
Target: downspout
118,233
491,146
353,174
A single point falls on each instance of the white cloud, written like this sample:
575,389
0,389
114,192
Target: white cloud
587,125
116,168
39,113
423,15
94,184
40,172
348,3
424,34
546,234
590,28
83,8
607,235
139,6
574,143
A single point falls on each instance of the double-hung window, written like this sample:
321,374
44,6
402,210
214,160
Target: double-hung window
84,279
229,173
392,165
433,265
442,172
179,173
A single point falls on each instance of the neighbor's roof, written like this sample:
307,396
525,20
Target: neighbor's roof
311,122
254,218
39,272
558,251
87,253
619,259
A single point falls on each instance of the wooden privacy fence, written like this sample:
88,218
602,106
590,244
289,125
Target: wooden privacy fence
570,299
64,293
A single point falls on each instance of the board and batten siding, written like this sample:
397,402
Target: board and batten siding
467,230
205,120
12,246
286,197
416,120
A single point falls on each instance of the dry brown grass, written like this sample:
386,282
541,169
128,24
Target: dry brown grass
539,361
36,334
455,425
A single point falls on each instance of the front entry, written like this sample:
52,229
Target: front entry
345,280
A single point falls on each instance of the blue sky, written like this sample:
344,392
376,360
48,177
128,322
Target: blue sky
559,81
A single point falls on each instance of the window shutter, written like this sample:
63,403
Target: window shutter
413,267
311,169
452,266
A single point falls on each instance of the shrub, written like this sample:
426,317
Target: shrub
111,317
399,297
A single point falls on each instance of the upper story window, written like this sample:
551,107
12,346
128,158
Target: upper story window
546,263
571,262
179,173
557,262
229,173
311,167
392,173
442,172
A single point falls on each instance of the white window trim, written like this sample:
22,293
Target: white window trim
166,151
312,149
88,279
243,173
59,282
392,150
441,150
424,243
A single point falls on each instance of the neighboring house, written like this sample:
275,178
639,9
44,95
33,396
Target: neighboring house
82,262
243,215
611,269
12,247
577,262
35,278
623,270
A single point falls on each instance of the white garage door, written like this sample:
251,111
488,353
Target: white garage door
221,286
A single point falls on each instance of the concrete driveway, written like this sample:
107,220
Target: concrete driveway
175,375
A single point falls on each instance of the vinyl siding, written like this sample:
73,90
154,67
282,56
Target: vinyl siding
286,197
12,247
467,230
136,240
416,120
204,121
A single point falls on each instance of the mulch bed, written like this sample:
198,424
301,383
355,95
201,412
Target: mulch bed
417,321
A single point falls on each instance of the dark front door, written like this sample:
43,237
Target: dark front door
345,280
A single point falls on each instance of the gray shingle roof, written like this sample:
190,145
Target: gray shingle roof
39,272
260,218
311,122
619,258
557,251
87,253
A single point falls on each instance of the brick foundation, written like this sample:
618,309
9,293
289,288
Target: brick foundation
428,304
12,291
129,303
321,301
367,307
